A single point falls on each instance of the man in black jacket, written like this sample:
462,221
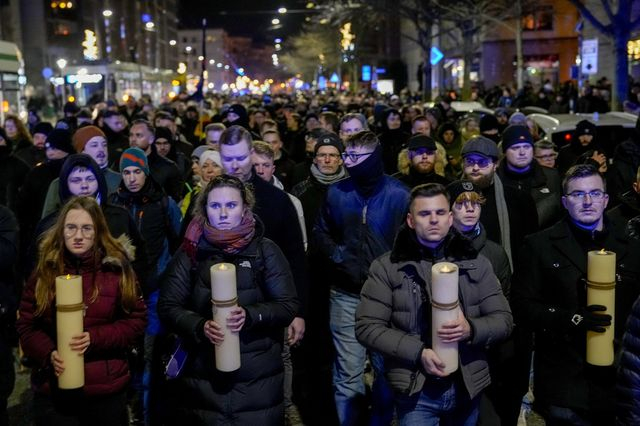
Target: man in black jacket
276,211
519,170
164,171
626,215
551,298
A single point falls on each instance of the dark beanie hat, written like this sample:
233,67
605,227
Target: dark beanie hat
458,187
515,134
328,139
60,139
164,133
43,127
134,157
488,122
421,141
585,127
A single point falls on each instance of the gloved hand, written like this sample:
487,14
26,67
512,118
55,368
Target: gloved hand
590,318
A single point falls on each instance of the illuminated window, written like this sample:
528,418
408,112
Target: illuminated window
540,19
61,29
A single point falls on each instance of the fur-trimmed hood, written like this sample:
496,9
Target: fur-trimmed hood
407,248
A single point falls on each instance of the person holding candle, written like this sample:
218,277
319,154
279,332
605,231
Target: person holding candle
225,230
549,296
115,315
394,315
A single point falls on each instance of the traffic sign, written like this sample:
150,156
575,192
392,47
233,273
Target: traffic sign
589,56
435,56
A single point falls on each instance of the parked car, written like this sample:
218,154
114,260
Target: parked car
612,128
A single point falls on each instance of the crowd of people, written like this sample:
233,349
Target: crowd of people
333,210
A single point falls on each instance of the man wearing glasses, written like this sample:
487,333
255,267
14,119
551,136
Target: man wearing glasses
357,223
550,298
545,153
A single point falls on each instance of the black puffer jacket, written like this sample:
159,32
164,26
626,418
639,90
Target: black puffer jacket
628,388
252,395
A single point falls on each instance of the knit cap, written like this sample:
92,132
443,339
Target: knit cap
59,139
43,127
515,134
134,157
210,155
83,134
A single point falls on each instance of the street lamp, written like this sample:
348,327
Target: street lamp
282,10
62,63
172,42
107,13
275,21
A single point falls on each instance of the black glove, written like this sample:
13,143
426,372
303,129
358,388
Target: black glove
590,318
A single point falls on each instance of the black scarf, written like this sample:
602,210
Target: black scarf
368,174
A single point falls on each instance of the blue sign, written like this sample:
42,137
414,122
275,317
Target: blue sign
322,82
381,70
366,73
435,56
47,72
334,78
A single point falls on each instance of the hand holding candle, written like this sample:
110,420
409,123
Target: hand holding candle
228,318
601,281
72,340
445,310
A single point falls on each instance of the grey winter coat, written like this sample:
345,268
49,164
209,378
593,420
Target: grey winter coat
389,318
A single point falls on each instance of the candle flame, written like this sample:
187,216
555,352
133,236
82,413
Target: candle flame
446,269
603,251
68,276
222,267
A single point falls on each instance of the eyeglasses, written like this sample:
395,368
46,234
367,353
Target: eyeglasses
547,157
595,195
329,156
354,156
87,231
478,161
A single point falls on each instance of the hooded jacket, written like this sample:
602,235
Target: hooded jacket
628,383
253,394
392,142
113,331
393,319
118,219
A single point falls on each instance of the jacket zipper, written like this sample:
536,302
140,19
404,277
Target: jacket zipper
362,240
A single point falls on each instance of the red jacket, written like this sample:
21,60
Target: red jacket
112,331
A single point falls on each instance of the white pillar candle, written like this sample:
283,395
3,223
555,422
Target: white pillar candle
69,323
224,297
444,301
601,290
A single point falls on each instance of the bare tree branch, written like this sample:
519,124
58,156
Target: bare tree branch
604,29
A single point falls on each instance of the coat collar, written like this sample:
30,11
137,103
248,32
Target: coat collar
407,248
562,238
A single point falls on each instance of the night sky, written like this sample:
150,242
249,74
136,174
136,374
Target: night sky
244,17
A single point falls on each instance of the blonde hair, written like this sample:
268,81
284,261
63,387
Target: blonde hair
51,257
469,197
